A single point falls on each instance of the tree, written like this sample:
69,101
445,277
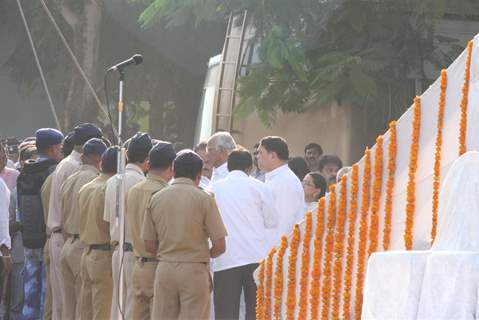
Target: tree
368,54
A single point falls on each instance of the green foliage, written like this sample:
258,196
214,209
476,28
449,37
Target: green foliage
363,53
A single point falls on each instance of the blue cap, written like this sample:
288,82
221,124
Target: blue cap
139,146
84,132
47,137
94,146
188,157
162,154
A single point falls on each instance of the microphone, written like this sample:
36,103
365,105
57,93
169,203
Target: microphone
136,59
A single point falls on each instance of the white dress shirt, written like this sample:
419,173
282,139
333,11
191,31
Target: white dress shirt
247,209
4,214
133,175
288,195
219,173
204,182
64,169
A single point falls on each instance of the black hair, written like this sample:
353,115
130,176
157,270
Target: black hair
327,159
138,156
68,144
190,170
277,145
109,160
159,160
313,145
319,182
240,159
299,166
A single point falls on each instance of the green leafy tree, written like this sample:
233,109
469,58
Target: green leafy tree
368,54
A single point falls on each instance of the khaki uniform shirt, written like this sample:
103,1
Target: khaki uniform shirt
64,169
133,175
69,197
91,203
182,218
137,200
45,195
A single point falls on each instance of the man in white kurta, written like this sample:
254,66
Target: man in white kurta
288,193
247,210
138,148
218,148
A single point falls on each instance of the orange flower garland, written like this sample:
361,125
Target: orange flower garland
376,196
303,293
388,202
293,257
363,233
260,292
465,100
278,278
328,253
317,255
339,248
437,155
348,276
268,284
411,184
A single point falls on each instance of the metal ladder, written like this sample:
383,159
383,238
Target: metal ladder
230,64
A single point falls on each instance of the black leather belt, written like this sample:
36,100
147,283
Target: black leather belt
147,259
103,247
127,247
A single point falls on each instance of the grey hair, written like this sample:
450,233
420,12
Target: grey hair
223,140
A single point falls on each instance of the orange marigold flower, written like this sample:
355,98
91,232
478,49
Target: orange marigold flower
388,202
293,257
303,282
317,257
411,185
465,101
268,286
260,292
376,196
278,278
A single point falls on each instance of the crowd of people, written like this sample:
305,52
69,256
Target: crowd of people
194,221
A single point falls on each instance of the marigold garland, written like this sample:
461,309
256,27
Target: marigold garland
348,274
388,202
317,257
268,284
411,185
464,101
363,234
339,248
278,278
293,257
328,254
437,156
303,293
260,292
376,196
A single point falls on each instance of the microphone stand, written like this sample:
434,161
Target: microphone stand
120,196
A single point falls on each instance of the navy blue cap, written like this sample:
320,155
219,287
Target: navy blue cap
162,154
139,145
94,146
188,157
47,137
84,132
109,160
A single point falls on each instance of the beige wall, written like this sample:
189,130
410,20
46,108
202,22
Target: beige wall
336,128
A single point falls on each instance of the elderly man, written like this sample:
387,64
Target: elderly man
72,250
287,190
218,148
67,167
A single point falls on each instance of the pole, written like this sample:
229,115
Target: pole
120,193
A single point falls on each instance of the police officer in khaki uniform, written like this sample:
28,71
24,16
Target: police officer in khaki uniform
178,223
72,250
96,277
161,170
47,309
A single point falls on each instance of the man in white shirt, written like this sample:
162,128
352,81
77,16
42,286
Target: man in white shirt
218,148
5,242
67,167
287,190
247,209
137,154
206,172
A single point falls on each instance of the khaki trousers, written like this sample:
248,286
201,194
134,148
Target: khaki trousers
56,245
143,279
182,291
97,285
128,263
47,309
70,262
